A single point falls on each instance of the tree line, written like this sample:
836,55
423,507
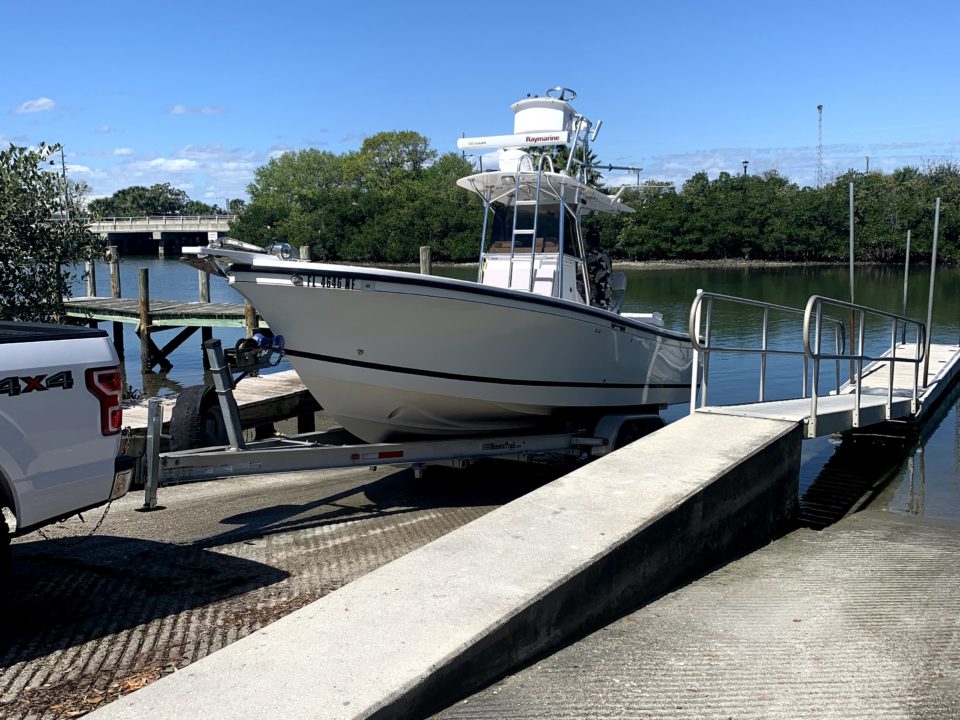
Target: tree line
383,201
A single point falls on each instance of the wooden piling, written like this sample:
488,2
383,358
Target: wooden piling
113,255
426,264
144,329
204,283
91,270
206,333
249,318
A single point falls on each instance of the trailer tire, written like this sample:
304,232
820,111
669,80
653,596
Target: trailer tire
197,420
633,430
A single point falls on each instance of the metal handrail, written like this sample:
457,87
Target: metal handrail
814,312
706,347
812,341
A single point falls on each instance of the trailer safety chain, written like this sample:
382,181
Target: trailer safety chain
74,541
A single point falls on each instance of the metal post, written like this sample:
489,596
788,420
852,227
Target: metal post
305,253
906,283
154,431
426,261
144,307
763,354
223,384
933,279
852,301
706,354
696,354
859,364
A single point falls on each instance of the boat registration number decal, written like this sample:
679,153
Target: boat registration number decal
329,282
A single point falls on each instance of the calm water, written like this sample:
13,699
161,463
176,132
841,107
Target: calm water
925,479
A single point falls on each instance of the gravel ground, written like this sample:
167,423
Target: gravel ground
85,621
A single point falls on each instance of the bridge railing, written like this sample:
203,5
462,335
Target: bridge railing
173,221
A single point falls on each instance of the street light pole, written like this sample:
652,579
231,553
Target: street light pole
745,163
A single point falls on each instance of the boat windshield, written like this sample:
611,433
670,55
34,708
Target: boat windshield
547,230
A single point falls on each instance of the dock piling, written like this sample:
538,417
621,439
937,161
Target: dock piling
206,333
426,261
113,255
143,330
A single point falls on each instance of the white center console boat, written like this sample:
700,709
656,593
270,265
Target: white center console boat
535,342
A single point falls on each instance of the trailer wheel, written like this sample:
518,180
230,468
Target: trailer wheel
635,429
197,420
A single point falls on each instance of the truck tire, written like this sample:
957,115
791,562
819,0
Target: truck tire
197,420
4,550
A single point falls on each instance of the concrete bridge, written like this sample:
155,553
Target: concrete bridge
158,233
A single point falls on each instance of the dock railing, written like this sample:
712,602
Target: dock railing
701,328
815,324
858,316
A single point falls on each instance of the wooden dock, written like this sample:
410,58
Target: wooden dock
163,313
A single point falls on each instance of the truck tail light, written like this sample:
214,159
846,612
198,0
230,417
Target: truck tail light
107,387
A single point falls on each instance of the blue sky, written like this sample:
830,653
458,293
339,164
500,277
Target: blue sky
199,94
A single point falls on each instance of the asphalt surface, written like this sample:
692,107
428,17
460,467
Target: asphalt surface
87,620
861,620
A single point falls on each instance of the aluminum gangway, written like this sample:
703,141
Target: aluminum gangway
893,384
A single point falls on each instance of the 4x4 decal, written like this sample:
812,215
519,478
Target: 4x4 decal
21,385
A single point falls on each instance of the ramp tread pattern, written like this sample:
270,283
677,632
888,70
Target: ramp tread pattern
859,621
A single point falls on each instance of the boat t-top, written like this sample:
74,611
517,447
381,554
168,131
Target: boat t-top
539,340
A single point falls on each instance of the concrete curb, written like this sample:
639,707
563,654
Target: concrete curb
446,619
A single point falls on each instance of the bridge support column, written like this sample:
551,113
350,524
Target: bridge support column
161,249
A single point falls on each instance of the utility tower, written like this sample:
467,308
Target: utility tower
819,146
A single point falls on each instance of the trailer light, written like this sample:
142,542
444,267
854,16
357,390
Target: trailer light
107,386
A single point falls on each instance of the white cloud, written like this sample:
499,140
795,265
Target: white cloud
172,164
31,106
203,110
122,151
104,129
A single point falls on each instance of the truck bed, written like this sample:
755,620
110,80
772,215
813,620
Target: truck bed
19,332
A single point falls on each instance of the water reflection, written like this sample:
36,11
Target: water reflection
927,481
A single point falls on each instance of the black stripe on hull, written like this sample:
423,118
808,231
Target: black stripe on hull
479,378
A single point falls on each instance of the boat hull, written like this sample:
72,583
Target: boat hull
394,355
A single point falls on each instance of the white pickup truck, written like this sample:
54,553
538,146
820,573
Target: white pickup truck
60,422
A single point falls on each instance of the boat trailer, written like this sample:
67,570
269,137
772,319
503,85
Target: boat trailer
339,449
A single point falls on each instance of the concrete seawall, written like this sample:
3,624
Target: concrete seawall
450,617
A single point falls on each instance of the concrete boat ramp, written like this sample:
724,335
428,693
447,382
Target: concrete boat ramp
444,621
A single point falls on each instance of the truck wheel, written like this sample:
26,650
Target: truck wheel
4,549
635,429
197,420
